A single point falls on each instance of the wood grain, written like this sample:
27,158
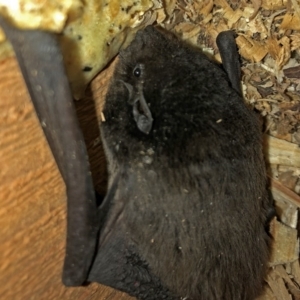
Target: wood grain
33,200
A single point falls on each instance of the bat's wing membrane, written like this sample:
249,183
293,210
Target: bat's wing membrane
41,63
118,262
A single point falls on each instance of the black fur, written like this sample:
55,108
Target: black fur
189,206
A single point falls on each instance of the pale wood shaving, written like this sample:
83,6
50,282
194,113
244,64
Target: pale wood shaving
267,295
287,212
285,244
296,7
277,286
290,21
281,152
250,49
295,41
256,6
286,274
232,16
284,53
204,8
170,6
295,270
273,4
282,193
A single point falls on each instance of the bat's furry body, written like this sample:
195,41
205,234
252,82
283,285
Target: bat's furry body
187,205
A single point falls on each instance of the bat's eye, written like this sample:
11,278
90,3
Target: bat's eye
137,72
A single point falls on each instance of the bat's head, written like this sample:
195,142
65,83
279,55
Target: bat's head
161,92
148,69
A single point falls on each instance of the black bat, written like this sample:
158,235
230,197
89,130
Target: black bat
187,207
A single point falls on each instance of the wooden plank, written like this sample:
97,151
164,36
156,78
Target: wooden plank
33,202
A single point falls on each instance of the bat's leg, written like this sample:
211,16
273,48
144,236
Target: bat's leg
119,266
41,63
230,58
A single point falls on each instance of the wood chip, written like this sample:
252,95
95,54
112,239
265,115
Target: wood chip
273,4
250,49
292,287
293,72
282,193
296,270
285,246
281,152
290,21
287,212
277,286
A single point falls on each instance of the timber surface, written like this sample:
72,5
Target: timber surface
33,199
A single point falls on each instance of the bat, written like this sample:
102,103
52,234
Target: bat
187,208
187,205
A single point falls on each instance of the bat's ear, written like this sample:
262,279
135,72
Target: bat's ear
230,58
140,110
142,114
